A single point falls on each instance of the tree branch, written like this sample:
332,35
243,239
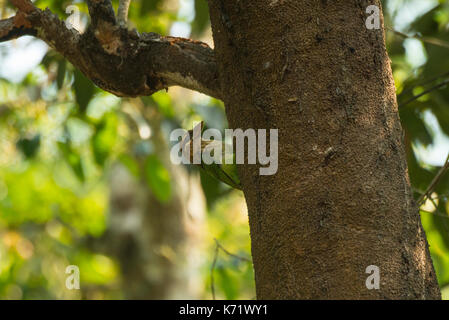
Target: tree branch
11,29
123,62
122,12
25,6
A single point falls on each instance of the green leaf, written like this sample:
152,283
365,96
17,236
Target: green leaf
226,173
147,6
158,179
74,160
228,284
62,66
104,138
413,122
130,164
213,189
164,104
84,90
29,146
201,20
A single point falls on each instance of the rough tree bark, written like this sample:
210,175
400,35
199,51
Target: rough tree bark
341,199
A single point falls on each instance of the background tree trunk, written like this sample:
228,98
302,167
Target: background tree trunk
341,200
157,245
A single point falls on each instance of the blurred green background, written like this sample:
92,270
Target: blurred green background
86,179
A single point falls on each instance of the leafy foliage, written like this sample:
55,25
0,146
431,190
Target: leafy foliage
423,96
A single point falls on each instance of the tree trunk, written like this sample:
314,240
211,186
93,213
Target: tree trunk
341,199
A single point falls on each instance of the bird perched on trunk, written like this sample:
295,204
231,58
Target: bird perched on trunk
226,171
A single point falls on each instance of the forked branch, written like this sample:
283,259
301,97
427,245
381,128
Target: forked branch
123,62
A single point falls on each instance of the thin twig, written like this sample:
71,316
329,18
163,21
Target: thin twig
231,254
441,196
434,182
429,40
219,247
212,281
438,86
425,82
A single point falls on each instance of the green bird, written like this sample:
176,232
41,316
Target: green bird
226,172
